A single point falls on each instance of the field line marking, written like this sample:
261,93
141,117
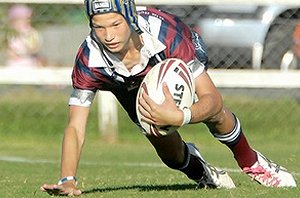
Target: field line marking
130,164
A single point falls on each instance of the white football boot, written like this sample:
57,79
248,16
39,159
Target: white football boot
212,176
269,174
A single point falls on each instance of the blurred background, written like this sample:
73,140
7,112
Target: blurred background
237,35
243,37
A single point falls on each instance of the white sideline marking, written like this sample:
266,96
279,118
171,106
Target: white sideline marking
24,160
41,161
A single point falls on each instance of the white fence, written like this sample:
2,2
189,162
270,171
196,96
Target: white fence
108,124
221,78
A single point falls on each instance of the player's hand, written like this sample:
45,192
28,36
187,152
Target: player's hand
163,114
66,189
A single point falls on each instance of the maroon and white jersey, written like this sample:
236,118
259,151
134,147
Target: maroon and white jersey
164,36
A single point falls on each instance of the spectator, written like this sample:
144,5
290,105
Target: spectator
296,47
23,40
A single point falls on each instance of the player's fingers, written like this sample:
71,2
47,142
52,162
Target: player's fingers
52,189
144,112
148,100
60,190
166,91
149,121
69,192
146,116
42,188
149,115
144,102
46,187
77,192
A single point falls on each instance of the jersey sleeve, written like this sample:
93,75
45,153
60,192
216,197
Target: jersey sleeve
83,98
83,76
83,79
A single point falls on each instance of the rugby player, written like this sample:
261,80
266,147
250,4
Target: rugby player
123,45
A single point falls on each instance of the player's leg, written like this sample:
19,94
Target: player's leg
185,157
227,129
175,153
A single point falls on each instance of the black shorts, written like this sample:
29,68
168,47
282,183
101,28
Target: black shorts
127,99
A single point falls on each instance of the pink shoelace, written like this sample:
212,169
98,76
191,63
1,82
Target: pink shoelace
260,174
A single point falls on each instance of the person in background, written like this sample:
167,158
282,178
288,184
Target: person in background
23,41
296,46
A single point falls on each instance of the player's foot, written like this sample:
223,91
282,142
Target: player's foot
269,174
212,176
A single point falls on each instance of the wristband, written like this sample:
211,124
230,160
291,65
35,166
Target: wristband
66,179
187,116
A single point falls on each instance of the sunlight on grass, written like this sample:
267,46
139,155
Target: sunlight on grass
31,131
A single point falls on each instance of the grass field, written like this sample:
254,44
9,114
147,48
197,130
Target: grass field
30,151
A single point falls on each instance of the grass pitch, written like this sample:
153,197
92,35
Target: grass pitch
30,152
124,170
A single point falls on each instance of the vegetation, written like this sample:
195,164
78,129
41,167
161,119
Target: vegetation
31,127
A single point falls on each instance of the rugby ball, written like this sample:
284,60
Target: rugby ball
180,82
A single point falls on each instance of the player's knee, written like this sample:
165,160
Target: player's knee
170,149
221,123
172,158
218,118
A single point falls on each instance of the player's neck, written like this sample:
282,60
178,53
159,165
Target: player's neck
131,55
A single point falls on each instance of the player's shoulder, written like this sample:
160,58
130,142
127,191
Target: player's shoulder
162,15
163,23
85,48
88,54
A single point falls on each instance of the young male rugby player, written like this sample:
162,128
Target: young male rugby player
122,47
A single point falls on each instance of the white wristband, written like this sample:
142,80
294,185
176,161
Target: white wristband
66,179
187,116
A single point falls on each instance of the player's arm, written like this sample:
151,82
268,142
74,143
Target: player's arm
209,101
73,141
71,149
209,108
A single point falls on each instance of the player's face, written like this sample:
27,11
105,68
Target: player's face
112,30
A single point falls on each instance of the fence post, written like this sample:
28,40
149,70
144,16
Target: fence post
107,116
257,53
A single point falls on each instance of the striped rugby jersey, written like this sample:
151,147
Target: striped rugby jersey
164,36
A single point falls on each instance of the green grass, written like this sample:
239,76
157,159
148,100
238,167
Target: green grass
123,170
130,168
